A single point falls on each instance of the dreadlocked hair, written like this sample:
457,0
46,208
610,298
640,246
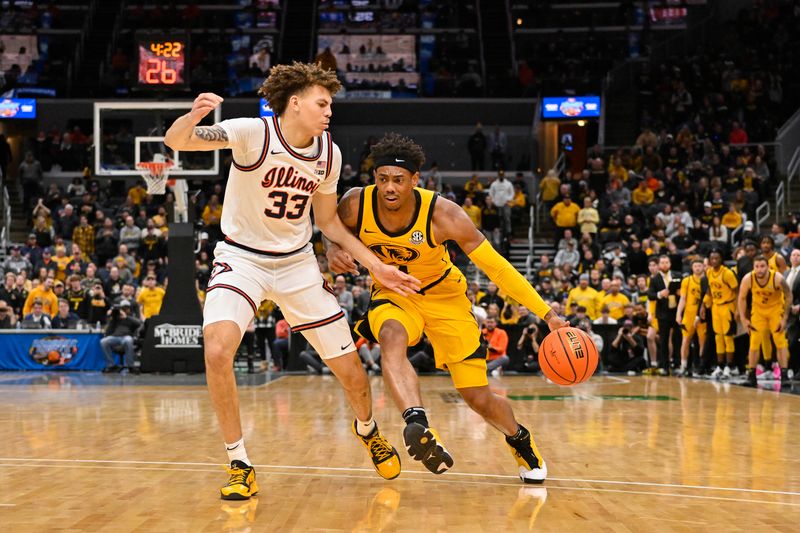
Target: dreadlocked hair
284,81
395,145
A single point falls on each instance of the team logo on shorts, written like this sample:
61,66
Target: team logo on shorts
417,237
394,253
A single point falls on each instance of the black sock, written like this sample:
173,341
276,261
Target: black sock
416,415
521,434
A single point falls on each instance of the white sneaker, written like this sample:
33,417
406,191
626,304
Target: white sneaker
680,372
631,372
790,373
717,373
726,374
496,373
735,371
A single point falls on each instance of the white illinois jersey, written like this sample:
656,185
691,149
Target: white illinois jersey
268,197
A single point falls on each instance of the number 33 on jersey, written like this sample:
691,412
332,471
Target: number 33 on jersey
268,197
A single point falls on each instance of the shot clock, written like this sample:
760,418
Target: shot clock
162,61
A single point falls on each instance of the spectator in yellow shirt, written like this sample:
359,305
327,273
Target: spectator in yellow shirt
588,217
137,194
519,200
212,213
43,293
584,295
732,219
616,167
549,185
472,211
473,187
615,300
642,195
565,214
150,298
61,259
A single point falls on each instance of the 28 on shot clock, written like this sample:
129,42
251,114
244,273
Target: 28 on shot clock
162,61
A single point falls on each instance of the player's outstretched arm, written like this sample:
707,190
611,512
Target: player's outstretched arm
185,135
333,228
744,289
450,222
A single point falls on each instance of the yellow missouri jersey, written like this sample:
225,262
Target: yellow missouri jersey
773,263
723,284
411,249
767,298
690,289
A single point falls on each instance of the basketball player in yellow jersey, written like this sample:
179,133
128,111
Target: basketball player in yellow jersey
775,260
688,313
722,286
407,226
777,263
769,313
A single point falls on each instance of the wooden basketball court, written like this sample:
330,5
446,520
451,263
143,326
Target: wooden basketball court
143,453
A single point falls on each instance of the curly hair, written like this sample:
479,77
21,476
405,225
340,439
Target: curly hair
287,80
395,145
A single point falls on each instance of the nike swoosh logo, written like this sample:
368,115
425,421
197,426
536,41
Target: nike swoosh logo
345,346
273,152
399,160
368,231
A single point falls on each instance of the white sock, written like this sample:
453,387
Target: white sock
365,428
236,452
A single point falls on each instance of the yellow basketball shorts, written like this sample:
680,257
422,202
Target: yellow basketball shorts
724,320
764,325
445,316
689,328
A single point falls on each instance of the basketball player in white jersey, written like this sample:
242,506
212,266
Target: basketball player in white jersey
282,167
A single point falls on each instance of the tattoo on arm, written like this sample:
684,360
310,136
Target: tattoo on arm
211,133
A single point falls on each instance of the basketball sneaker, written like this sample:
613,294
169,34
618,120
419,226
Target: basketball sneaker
750,379
726,374
423,444
384,457
776,372
532,468
241,484
760,374
717,373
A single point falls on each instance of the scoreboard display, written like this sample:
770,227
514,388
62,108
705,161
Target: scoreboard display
162,61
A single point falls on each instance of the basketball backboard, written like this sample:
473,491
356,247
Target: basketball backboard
127,133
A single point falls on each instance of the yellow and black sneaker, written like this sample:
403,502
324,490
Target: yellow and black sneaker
424,444
242,482
532,468
384,457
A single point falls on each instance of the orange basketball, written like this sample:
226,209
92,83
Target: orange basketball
53,356
568,356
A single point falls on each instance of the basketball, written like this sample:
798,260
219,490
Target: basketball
53,357
568,356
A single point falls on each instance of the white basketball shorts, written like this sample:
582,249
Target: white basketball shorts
241,280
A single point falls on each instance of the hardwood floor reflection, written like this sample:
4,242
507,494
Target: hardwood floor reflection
624,454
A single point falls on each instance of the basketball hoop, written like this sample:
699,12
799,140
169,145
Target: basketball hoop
155,174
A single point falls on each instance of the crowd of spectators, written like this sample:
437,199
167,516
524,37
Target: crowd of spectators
746,76
91,259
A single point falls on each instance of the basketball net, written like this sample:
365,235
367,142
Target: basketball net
156,173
